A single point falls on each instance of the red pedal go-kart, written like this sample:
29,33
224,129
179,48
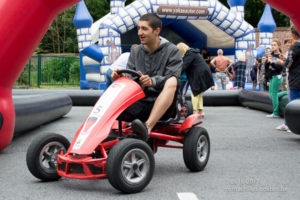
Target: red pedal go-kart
104,147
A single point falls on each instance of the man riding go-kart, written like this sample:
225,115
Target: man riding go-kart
104,147
159,63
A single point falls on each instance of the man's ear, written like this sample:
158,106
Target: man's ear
157,31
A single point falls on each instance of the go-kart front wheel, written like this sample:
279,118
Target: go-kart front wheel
196,149
42,154
130,165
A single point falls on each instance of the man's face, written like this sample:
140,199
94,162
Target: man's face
146,34
288,44
268,51
274,46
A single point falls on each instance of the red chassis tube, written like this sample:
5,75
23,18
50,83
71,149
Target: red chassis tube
84,167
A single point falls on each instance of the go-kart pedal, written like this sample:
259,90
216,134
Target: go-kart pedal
140,129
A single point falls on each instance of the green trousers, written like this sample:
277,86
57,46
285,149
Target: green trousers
274,95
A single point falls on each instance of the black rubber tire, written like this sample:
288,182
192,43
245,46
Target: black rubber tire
188,108
190,148
150,142
292,116
35,149
116,158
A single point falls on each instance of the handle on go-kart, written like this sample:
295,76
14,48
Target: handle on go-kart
129,71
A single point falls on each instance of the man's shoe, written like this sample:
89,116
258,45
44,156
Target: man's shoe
282,127
272,116
140,129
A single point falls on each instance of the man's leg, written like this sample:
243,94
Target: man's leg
219,80
223,81
261,86
201,103
254,83
163,102
194,103
274,86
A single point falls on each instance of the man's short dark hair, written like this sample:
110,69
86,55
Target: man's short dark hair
294,31
153,19
286,40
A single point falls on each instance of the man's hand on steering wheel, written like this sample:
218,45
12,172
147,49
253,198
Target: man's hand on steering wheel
115,75
145,80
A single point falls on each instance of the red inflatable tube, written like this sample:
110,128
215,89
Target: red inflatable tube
23,24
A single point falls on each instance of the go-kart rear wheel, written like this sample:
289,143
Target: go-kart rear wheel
188,108
130,165
196,149
42,154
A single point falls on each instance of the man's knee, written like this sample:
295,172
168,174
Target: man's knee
171,83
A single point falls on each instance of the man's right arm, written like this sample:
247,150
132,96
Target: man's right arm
213,63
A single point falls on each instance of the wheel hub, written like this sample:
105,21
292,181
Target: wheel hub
202,148
135,166
48,155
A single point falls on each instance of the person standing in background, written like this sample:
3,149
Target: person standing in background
284,85
253,74
198,74
119,63
273,72
205,54
221,63
268,52
287,44
261,74
240,72
293,64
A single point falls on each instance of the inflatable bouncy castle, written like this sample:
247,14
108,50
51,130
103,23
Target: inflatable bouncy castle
202,24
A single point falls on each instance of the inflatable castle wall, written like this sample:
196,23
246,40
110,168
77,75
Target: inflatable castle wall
96,57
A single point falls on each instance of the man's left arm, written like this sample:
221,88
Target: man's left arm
230,63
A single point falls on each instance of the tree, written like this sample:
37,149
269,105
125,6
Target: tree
61,36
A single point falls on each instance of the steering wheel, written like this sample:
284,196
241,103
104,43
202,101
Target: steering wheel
135,74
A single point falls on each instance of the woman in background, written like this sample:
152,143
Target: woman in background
240,72
198,75
261,74
273,74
